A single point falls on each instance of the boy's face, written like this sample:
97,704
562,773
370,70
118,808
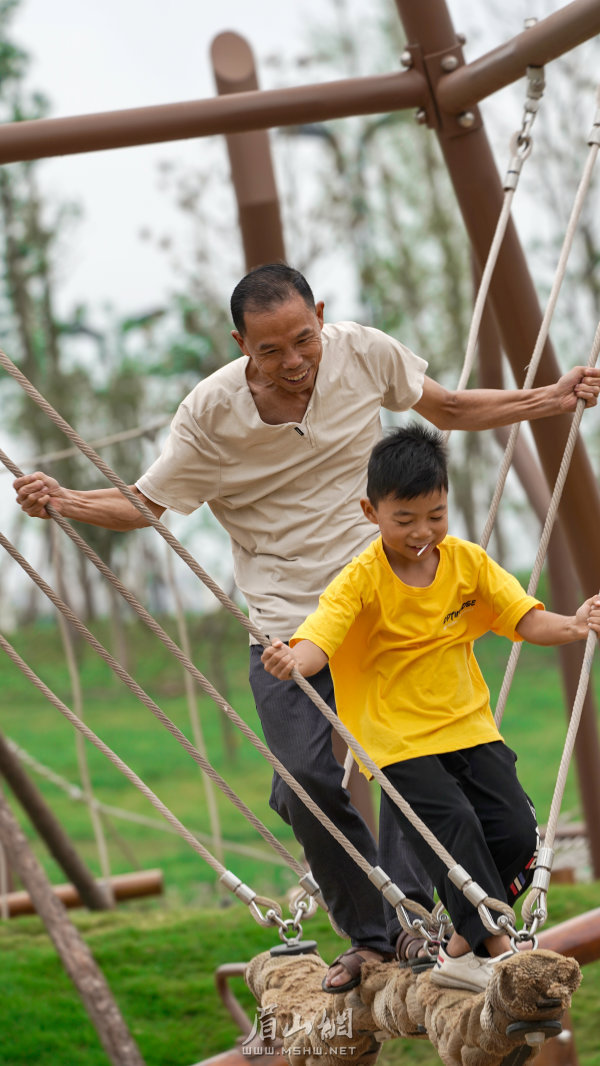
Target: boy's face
408,526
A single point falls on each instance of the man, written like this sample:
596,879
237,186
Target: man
277,444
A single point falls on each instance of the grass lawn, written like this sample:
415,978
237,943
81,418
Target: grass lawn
160,965
160,956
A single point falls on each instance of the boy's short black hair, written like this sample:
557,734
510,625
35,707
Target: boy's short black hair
266,285
411,461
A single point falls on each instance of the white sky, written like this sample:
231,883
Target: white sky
117,54
94,56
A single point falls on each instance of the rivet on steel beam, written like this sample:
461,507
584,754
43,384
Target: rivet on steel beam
449,63
406,59
466,119
528,23
421,116
461,38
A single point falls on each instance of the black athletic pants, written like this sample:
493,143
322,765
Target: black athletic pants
474,804
300,737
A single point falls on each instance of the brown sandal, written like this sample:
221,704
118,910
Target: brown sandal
408,951
352,961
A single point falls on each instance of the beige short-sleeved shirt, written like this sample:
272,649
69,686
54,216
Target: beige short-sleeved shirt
288,495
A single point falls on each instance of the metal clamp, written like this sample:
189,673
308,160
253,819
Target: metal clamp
521,143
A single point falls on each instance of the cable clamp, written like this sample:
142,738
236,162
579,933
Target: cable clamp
238,887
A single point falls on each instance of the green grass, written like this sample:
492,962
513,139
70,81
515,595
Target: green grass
159,956
160,966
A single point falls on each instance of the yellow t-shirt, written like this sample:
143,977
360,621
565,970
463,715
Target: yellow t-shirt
406,679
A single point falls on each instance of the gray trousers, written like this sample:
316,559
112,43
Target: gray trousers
298,734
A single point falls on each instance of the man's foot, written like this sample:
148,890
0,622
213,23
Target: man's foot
471,972
413,950
344,972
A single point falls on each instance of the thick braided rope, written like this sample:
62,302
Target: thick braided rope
438,848
547,531
561,268
557,798
126,491
225,600
147,430
132,685
520,147
209,689
192,702
112,757
75,793
482,294
77,703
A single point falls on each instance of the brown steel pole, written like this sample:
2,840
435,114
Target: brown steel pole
256,110
513,296
541,43
252,172
93,895
564,597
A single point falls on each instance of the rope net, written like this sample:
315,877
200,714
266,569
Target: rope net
521,148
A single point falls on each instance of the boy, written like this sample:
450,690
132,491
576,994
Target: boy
398,624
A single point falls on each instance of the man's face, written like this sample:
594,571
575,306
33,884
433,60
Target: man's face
284,344
410,527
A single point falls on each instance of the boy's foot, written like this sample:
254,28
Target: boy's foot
347,968
412,950
471,972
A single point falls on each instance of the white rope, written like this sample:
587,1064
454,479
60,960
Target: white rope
192,703
536,898
520,148
77,795
112,757
561,268
233,883
373,872
547,530
144,698
147,430
77,699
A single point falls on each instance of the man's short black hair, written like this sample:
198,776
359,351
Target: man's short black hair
409,462
266,285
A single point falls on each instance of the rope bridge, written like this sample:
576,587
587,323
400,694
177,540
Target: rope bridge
396,1003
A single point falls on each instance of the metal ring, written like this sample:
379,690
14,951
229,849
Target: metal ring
521,145
523,938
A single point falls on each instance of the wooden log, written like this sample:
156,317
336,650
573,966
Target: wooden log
528,993
74,953
124,886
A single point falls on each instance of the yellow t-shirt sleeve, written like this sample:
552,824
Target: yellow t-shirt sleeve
338,608
507,599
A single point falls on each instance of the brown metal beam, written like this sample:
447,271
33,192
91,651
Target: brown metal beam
513,296
252,173
44,138
578,938
541,43
564,594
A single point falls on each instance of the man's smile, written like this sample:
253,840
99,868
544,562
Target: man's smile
297,377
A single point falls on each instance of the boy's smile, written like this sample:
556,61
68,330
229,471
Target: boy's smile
411,529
